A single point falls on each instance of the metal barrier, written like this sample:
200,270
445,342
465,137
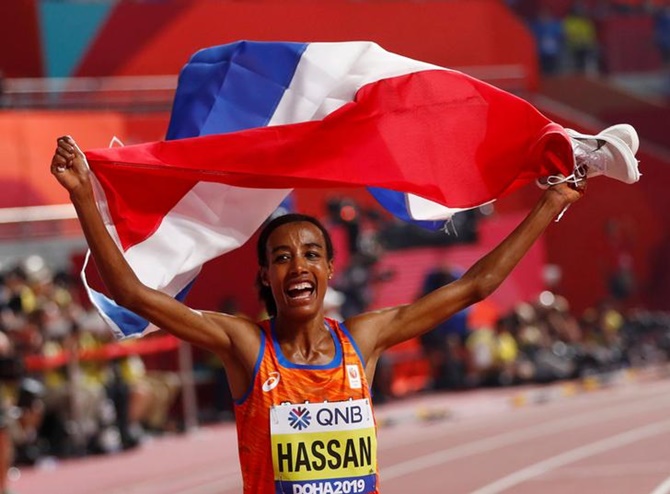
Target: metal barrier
155,93
128,93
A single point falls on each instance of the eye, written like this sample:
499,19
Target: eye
282,258
312,255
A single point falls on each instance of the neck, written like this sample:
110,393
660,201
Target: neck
305,342
309,330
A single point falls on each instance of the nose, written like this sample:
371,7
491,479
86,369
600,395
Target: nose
298,265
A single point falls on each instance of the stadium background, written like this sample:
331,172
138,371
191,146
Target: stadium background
135,39
97,69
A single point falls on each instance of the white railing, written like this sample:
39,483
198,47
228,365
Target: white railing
155,93
133,93
31,214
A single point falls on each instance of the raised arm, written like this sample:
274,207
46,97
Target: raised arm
377,331
212,331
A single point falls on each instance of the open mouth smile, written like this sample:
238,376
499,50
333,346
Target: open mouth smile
300,291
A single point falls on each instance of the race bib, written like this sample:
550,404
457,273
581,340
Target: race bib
324,448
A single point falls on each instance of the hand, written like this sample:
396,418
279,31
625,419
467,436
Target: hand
69,165
566,193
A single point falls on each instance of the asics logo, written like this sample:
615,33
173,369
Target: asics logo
271,382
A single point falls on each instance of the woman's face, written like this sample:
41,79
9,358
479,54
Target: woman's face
298,268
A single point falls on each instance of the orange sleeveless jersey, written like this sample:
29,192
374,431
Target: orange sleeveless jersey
307,429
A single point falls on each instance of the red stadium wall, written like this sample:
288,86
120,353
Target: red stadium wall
465,33
453,34
21,55
29,139
587,255
139,23
628,44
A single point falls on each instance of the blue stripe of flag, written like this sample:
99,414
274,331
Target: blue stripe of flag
128,322
238,86
221,89
232,87
396,204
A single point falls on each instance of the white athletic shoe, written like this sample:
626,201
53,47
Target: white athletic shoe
607,154
626,133
610,153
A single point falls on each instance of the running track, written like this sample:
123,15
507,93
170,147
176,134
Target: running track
614,440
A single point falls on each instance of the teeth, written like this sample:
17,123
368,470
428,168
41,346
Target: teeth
301,286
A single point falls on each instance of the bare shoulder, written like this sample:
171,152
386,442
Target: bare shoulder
361,322
240,353
243,334
234,326
367,329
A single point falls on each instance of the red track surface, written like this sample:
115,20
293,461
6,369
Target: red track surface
614,440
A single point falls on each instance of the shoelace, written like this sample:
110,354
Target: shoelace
585,159
579,174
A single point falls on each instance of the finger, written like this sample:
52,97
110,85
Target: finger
76,149
64,153
59,164
59,160
66,144
59,168
69,141
63,141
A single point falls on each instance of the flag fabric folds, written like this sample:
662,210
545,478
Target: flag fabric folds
253,120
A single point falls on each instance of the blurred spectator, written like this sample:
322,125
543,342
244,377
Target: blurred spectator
628,6
481,348
76,402
550,40
332,304
5,451
620,274
29,413
506,353
3,90
601,10
355,284
662,33
8,373
581,39
443,346
152,394
356,274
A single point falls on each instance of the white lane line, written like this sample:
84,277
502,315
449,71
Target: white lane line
187,483
395,438
181,483
229,484
663,488
574,455
610,470
517,436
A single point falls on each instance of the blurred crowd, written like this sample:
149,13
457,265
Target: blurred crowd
570,42
55,402
541,341
68,389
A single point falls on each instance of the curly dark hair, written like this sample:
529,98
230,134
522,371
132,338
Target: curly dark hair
264,292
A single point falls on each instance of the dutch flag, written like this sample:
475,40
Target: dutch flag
253,120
